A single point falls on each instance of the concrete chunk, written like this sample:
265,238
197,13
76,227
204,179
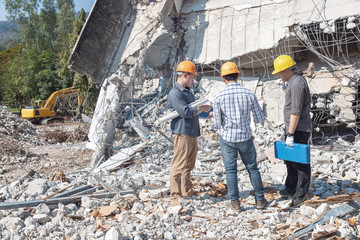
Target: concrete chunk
113,234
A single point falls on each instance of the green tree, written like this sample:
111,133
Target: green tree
47,79
78,23
25,14
48,21
20,83
5,57
65,19
39,68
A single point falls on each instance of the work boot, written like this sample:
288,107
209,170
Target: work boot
285,193
235,205
174,196
297,201
189,193
261,204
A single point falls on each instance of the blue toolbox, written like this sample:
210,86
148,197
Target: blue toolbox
298,153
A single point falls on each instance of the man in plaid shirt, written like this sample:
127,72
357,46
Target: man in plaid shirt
232,111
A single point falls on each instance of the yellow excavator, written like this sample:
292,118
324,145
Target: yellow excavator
43,110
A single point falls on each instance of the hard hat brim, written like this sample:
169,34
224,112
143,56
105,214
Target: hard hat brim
275,72
279,70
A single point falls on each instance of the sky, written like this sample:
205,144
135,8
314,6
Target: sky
86,4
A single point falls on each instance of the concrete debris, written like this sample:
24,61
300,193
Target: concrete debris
327,217
323,231
140,170
16,127
334,199
113,234
131,141
25,146
150,213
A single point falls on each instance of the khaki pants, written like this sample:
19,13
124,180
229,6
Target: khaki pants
185,149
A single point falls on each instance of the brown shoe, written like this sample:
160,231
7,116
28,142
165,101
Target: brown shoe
261,204
189,193
175,196
235,205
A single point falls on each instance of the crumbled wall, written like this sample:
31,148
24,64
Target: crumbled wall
251,33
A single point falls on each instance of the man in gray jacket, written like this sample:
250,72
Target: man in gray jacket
185,129
297,127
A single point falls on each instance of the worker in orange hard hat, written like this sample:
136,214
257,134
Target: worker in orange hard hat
297,127
186,66
185,129
232,110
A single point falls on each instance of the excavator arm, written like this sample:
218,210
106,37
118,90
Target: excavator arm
51,101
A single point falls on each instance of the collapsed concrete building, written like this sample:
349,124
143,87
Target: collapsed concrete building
130,49
130,45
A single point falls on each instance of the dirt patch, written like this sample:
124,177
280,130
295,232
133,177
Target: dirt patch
65,134
63,149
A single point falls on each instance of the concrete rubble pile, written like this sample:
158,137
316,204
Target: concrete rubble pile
19,129
148,212
125,195
25,147
16,137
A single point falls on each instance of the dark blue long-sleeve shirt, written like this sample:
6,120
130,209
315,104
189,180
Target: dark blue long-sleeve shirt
187,123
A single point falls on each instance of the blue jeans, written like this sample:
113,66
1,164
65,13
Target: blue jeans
246,149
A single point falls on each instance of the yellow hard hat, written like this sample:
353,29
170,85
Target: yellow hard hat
186,66
283,62
229,68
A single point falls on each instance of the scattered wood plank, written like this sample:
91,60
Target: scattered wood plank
334,199
326,217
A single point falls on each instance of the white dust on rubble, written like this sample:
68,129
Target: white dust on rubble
24,147
16,137
150,214
19,129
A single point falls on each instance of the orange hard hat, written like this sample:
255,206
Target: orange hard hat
186,66
229,68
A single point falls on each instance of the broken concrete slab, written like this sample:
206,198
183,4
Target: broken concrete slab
336,212
90,57
120,157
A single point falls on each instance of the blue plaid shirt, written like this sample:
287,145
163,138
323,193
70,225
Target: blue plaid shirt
232,107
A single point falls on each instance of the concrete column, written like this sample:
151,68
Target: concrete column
102,129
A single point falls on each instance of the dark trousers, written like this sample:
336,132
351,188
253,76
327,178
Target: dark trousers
298,174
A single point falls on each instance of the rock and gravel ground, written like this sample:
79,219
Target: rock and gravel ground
148,212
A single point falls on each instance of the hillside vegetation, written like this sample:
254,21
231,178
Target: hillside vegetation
7,32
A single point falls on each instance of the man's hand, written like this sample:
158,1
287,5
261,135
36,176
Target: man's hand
289,141
204,108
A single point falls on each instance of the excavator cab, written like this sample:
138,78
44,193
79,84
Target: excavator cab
39,103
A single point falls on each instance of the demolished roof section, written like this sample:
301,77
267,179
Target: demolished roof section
116,30
101,34
219,31
250,32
